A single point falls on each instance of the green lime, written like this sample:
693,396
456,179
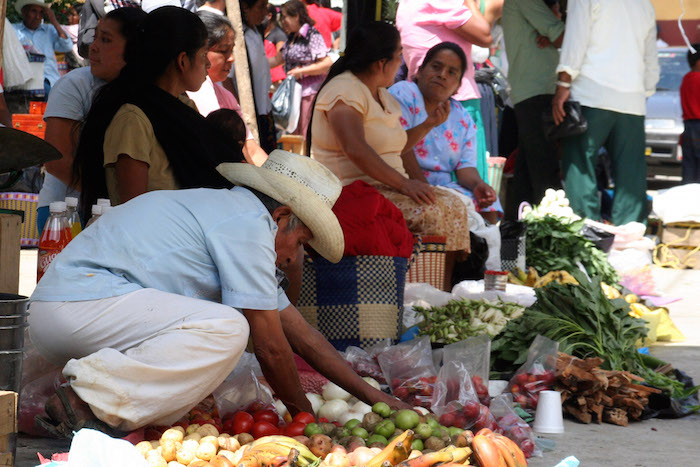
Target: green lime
423,430
352,423
417,445
312,429
385,429
375,438
454,431
432,423
360,432
407,419
382,408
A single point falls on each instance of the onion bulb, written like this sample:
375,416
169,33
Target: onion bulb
332,391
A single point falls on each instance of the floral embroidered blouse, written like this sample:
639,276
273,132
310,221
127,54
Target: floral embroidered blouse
448,147
304,48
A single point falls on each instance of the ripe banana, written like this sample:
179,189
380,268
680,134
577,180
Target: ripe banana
562,277
487,452
610,292
511,452
513,279
395,452
532,277
281,446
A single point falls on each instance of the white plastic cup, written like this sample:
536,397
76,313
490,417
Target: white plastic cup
549,418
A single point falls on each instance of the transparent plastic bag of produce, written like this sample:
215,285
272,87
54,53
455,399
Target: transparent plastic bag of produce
242,392
475,353
409,369
365,363
513,426
456,402
536,374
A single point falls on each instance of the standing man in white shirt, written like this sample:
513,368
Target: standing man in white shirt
609,64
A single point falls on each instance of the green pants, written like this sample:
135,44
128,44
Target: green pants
623,137
473,107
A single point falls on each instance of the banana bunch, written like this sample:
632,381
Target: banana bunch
450,456
519,277
610,292
271,451
638,310
562,277
495,450
395,452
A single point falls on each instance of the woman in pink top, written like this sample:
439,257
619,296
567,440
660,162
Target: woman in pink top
212,95
425,23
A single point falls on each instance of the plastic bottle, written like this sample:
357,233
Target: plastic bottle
96,213
54,238
103,202
72,214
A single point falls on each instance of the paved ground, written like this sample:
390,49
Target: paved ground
651,443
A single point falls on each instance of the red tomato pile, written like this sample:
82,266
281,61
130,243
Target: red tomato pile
482,391
265,422
515,429
472,415
526,387
415,391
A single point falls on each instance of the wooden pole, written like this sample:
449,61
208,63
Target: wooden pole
240,54
3,7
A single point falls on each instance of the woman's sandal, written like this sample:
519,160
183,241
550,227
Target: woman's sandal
67,428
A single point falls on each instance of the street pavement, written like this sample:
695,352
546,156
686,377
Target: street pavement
650,443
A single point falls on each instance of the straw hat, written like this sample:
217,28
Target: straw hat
22,3
303,184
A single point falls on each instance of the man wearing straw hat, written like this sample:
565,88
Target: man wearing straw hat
151,307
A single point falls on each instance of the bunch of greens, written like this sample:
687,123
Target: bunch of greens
461,319
554,244
581,318
586,324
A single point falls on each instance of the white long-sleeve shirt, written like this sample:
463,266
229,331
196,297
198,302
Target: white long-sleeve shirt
610,52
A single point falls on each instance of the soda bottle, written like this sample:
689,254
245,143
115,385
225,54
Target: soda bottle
72,214
54,238
96,213
104,202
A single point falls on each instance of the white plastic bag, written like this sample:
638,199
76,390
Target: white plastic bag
96,449
673,205
474,290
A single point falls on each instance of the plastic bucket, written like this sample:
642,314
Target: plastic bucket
11,369
11,304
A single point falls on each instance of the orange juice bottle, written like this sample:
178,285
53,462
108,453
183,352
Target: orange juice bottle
54,238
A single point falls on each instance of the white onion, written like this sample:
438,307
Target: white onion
333,391
361,408
315,400
373,382
347,416
333,409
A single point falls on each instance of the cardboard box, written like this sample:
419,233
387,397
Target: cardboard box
681,234
8,427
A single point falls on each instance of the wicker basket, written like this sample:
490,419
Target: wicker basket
358,301
429,265
26,202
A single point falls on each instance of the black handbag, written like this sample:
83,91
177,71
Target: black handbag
574,122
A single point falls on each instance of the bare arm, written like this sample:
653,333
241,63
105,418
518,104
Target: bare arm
276,359
494,11
253,153
132,177
410,165
477,29
346,124
435,118
62,133
51,16
469,178
310,345
277,60
320,67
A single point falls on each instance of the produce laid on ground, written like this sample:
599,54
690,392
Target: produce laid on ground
591,393
461,319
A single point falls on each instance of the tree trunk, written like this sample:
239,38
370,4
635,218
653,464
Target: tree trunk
243,81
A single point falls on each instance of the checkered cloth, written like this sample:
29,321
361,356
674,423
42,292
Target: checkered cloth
358,301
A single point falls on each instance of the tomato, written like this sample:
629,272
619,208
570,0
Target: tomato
304,417
522,378
261,429
266,415
294,429
242,422
471,410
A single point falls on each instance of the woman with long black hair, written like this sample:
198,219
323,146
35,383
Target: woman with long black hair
142,133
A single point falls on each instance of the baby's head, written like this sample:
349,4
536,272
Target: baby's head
229,122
